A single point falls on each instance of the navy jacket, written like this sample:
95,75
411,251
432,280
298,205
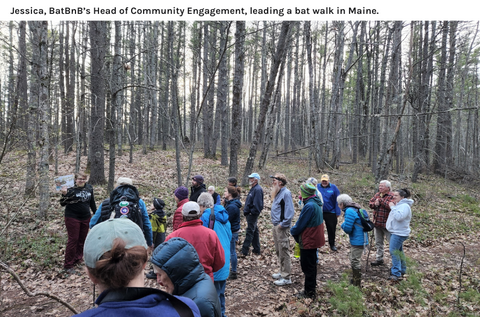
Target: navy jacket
233,208
179,260
254,201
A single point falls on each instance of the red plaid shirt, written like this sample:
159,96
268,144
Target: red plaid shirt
381,212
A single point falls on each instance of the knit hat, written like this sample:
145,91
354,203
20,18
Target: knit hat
124,180
199,179
158,203
307,190
190,208
181,192
100,238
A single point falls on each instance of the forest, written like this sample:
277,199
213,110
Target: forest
392,99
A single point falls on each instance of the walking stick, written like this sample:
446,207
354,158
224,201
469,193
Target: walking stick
370,244
93,303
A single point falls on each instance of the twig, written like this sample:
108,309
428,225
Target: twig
460,276
30,294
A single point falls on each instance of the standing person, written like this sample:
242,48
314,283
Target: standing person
181,197
233,205
308,232
398,224
215,195
178,269
224,232
358,238
281,215
204,240
125,189
331,211
252,209
79,203
158,219
380,203
197,188
115,256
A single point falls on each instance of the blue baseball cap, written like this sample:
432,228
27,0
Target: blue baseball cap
254,175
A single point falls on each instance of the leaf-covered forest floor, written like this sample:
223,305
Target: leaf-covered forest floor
443,251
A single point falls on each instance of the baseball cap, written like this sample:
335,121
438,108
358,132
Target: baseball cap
190,206
324,177
280,177
100,239
254,175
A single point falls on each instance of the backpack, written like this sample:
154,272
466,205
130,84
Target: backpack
367,224
211,221
124,202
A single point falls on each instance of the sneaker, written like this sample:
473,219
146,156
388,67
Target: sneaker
277,276
393,278
282,282
377,263
232,275
151,275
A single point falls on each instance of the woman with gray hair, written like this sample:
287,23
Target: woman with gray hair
358,238
220,224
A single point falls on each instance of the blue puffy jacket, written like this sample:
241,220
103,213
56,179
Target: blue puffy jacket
233,208
353,226
223,230
180,261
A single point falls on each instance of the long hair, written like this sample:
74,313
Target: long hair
234,191
117,267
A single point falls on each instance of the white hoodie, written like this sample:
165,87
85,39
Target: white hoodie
398,222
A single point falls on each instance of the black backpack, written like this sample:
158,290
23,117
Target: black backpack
367,224
124,201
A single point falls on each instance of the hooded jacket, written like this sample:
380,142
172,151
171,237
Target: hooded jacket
233,208
180,261
398,222
224,232
308,230
353,226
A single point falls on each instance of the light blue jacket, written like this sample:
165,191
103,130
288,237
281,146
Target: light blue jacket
223,230
353,227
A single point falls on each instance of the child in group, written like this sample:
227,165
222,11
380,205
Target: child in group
158,219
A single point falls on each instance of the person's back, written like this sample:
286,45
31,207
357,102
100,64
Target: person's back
179,260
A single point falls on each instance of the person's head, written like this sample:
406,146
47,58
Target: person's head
232,192
180,193
191,211
253,179
211,190
232,181
307,190
384,186
158,203
278,181
205,201
177,279
197,180
399,194
325,180
80,179
115,254
343,200
124,181
312,180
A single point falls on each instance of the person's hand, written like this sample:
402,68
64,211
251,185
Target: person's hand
63,190
377,202
150,248
391,204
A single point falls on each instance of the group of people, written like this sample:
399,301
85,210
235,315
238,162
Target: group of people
197,258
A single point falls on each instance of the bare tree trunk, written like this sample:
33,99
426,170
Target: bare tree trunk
222,92
39,38
277,59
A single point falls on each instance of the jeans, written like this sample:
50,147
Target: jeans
220,287
330,219
308,263
233,252
282,249
77,233
399,266
380,235
251,237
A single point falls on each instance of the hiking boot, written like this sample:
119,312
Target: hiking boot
283,282
377,263
69,270
277,276
357,277
232,275
151,275
302,295
333,248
